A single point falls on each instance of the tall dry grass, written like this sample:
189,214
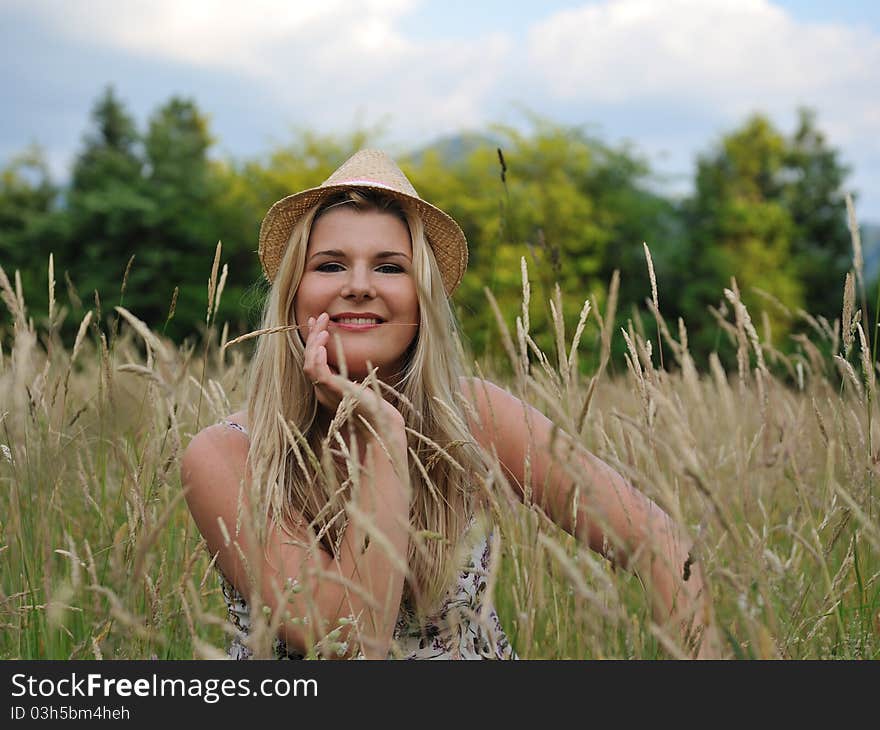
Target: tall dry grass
772,468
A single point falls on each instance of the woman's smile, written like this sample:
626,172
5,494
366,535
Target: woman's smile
354,325
355,321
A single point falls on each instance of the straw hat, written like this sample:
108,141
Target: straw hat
370,170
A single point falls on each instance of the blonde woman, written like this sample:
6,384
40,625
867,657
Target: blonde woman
343,504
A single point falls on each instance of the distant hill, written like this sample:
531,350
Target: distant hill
455,147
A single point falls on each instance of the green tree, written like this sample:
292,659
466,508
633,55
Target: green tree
111,147
155,197
813,192
767,209
31,224
26,190
108,209
182,226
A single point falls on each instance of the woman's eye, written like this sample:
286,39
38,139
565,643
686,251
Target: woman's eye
384,268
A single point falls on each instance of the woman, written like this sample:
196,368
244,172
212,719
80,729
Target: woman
344,500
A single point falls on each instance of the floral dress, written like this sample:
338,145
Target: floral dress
466,625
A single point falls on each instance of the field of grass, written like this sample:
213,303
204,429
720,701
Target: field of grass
773,468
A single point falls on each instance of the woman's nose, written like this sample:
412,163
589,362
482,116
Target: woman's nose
358,284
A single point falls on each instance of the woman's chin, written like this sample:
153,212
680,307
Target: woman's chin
355,370
359,365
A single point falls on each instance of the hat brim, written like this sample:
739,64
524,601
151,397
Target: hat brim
443,234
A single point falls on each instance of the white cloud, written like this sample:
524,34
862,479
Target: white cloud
226,34
727,56
322,63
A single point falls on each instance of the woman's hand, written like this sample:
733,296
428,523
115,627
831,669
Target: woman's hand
330,387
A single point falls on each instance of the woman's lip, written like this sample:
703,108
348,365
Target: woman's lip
353,327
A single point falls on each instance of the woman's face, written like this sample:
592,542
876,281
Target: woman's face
359,267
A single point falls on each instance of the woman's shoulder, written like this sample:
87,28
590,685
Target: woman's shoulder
220,445
233,427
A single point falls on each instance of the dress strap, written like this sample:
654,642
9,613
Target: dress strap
236,426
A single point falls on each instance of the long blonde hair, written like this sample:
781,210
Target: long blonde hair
447,465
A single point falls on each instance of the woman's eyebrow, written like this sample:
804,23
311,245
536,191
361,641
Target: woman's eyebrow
341,254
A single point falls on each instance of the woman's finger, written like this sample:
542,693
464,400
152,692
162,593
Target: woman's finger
308,354
330,392
323,342
312,341
311,365
321,369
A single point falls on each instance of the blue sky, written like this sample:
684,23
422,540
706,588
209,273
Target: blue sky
670,76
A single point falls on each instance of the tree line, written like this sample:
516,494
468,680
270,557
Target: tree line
138,221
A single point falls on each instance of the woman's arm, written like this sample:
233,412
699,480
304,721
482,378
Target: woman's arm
612,517
360,582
